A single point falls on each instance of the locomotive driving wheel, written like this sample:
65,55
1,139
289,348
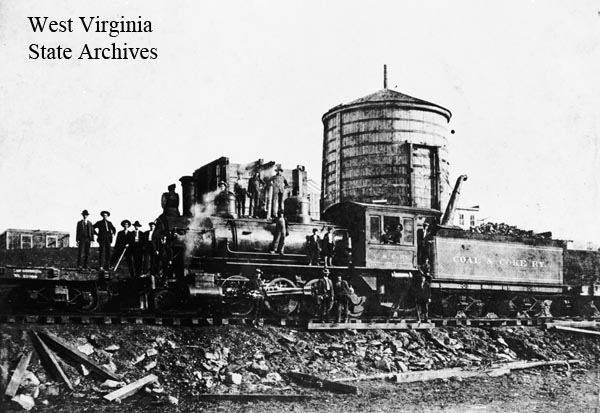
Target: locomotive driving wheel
236,300
281,305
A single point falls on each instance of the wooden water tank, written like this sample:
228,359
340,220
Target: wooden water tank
386,148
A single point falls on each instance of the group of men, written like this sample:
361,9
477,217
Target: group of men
328,294
317,247
276,186
143,251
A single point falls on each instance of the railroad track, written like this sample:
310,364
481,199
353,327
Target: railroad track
195,320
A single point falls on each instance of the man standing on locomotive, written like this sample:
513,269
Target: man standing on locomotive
313,245
254,188
84,237
256,292
279,185
328,247
324,295
281,231
105,231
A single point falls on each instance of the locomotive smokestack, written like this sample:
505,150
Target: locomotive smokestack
385,76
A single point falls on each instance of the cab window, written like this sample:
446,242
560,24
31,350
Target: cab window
375,228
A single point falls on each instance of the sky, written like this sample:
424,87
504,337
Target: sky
252,79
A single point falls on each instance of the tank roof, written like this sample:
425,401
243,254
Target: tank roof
391,96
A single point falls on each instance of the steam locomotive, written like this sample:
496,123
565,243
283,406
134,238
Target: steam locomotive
214,253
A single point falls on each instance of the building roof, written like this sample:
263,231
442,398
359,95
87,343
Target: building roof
391,96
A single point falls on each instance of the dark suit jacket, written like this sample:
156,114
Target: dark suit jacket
314,245
85,231
105,231
151,243
123,239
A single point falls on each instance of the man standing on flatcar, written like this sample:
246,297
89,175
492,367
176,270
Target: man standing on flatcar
324,294
123,247
151,250
105,231
137,248
84,237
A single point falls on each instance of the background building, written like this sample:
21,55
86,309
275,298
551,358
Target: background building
467,217
13,239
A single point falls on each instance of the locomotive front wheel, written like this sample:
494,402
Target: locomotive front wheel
163,301
281,305
235,299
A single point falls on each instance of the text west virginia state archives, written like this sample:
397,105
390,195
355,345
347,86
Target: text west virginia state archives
95,24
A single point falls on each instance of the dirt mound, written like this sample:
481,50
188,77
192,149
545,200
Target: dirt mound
190,362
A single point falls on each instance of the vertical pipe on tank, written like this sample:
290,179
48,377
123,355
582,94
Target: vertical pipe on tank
188,193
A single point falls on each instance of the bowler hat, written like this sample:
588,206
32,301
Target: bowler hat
105,213
137,224
125,222
172,186
85,212
152,223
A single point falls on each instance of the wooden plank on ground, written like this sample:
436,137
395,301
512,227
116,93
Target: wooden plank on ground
576,324
428,375
254,397
62,348
319,383
577,330
370,326
131,388
49,361
15,380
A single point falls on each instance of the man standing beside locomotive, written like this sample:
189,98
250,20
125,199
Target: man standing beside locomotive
324,295
256,292
105,231
84,237
342,294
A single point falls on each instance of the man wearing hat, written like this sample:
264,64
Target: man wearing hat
151,253
137,248
105,231
324,295
342,294
170,202
256,292
123,247
279,184
84,235
254,188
